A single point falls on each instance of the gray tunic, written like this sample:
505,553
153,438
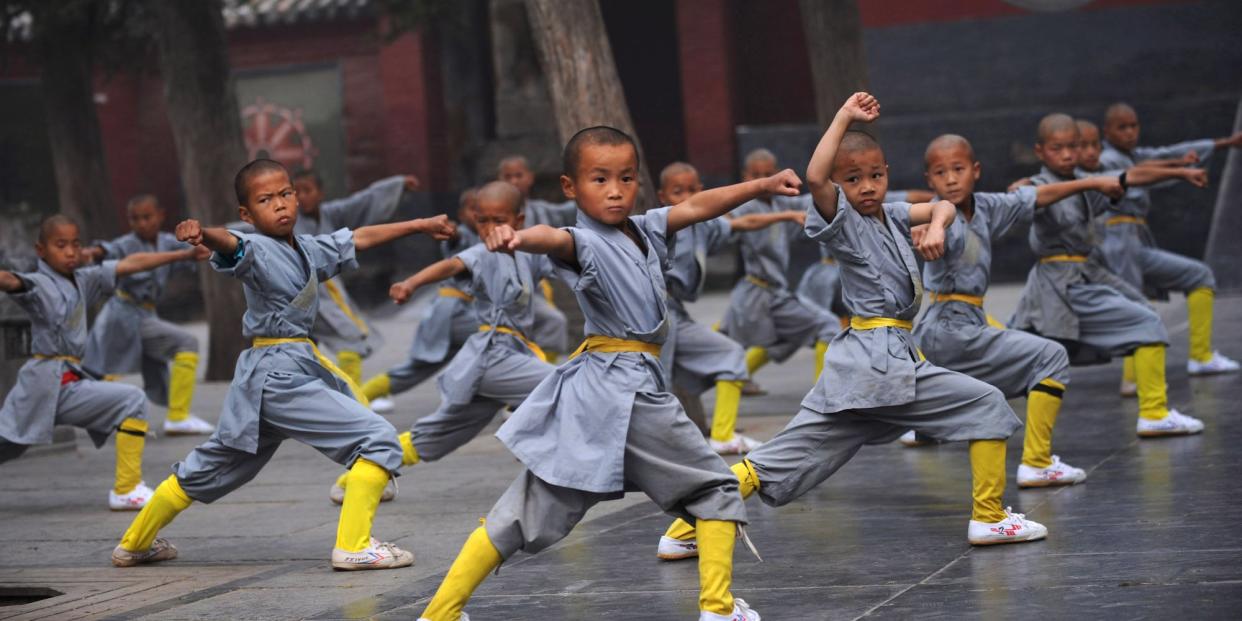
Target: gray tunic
1129,248
440,331
334,326
956,335
1080,301
550,329
762,311
57,308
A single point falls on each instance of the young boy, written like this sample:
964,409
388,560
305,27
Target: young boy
763,315
551,326
875,384
605,420
128,335
445,325
1071,298
1128,247
695,355
956,334
52,387
283,387
499,365
340,326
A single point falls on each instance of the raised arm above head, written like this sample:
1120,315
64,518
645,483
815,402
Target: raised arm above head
860,107
716,202
438,227
400,292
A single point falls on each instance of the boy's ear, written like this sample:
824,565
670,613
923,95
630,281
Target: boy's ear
567,186
978,168
40,249
927,178
243,212
520,221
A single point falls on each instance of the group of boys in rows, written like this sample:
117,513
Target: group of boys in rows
605,420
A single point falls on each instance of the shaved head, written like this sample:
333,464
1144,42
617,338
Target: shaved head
759,155
512,160
947,142
142,199
855,141
676,168
51,223
1119,111
1052,124
1085,125
501,192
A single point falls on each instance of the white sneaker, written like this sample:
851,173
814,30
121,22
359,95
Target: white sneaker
133,501
337,493
463,617
752,389
676,549
1218,364
160,550
1175,424
1128,389
378,555
382,405
1015,528
911,439
1059,473
741,612
191,426
739,445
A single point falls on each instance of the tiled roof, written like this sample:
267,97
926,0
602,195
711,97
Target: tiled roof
262,13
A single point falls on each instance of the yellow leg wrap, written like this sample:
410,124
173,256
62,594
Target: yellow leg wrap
476,559
409,454
378,386
724,419
716,539
350,362
363,488
1199,310
1153,394
164,505
987,467
1042,407
994,322
181,385
1127,369
343,480
130,438
821,350
756,357
748,483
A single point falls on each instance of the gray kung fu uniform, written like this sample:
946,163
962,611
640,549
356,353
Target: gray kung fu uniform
1081,301
551,329
956,335
128,336
334,328
445,325
39,400
282,391
603,423
875,385
695,356
1129,248
493,369
762,311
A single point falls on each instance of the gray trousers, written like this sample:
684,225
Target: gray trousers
161,341
310,412
1109,321
98,407
665,458
701,357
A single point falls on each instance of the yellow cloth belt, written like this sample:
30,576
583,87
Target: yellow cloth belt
334,292
73,359
454,292
828,260
267,341
1064,258
873,323
758,282
1115,220
973,300
132,300
538,351
548,294
607,344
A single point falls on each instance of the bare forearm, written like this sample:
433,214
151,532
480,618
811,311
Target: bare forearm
367,237
939,213
543,239
1052,192
436,272
1147,175
819,170
220,240
756,221
144,261
713,203
10,283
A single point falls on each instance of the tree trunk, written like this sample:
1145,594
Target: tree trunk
206,126
833,33
583,84
73,127
1224,254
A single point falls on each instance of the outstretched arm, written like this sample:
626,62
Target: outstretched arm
539,239
145,261
216,239
437,227
756,221
1050,193
440,270
716,202
1228,141
10,283
860,107
1147,175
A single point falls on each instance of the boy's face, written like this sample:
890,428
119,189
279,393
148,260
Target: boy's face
271,204
863,177
146,219
679,187
61,250
491,214
1122,129
467,214
1089,148
310,195
1059,151
605,185
952,173
759,168
517,174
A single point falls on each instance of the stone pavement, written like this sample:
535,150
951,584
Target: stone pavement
1148,536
